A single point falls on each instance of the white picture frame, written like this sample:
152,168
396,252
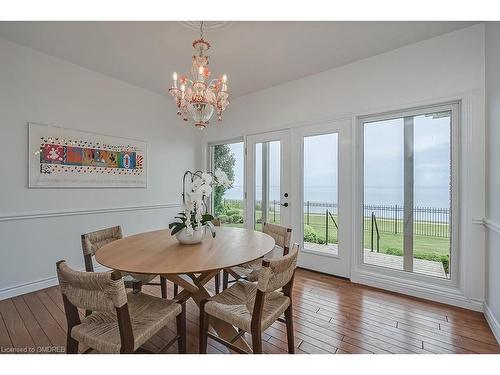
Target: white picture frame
69,158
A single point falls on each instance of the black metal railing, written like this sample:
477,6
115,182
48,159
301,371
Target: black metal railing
428,221
375,226
329,216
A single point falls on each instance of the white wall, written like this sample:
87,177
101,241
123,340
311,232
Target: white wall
40,226
447,67
492,41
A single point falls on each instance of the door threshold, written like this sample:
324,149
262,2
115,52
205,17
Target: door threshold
324,273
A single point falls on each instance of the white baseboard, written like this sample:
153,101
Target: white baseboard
492,321
36,285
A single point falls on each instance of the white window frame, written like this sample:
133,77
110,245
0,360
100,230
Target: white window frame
455,266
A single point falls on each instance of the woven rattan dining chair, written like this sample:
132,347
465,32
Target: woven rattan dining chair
93,241
250,271
254,307
215,222
119,322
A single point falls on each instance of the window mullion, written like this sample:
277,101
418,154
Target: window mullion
408,194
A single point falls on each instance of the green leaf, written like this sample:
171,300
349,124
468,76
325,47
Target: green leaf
207,217
177,228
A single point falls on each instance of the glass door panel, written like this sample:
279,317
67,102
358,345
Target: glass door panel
267,183
321,220
270,176
432,194
407,192
383,193
229,203
324,213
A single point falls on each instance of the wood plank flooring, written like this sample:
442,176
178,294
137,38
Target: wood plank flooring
331,316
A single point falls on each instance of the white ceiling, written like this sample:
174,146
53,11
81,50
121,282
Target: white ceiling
255,55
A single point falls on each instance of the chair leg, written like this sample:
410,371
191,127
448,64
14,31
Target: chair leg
176,289
257,342
203,328
181,330
71,345
136,287
225,279
289,330
163,285
217,282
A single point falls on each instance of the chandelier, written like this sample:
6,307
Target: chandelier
196,96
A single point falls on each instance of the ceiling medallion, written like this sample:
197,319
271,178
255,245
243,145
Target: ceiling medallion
208,26
195,95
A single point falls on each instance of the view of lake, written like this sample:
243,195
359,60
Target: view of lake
437,197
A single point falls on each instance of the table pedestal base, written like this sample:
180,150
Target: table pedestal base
198,293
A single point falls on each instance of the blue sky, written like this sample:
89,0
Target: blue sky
383,154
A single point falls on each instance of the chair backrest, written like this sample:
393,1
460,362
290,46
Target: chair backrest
93,241
276,273
282,235
96,291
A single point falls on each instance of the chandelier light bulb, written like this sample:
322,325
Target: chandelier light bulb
224,78
174,76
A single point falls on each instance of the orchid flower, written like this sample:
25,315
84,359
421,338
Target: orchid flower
194,215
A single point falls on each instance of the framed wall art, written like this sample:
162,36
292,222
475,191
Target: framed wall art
68,158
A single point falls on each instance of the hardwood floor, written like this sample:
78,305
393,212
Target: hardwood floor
331,316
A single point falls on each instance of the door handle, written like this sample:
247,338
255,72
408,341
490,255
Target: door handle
284,204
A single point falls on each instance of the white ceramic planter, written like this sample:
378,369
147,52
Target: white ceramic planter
196,236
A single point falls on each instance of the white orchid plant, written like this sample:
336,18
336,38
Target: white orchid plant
196,188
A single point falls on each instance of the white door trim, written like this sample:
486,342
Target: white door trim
284,136
327,263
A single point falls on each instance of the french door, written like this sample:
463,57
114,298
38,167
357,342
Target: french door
323,207
268,179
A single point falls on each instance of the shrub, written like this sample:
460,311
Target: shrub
394,251
236,218
445,259
232,212
310,234
224,219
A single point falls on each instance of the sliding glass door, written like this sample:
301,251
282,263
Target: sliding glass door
408,191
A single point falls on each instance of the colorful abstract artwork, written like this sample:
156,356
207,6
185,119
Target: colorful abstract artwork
61,157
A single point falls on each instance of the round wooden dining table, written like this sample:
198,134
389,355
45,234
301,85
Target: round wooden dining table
189,266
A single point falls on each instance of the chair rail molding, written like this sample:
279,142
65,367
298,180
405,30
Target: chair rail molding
48,214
